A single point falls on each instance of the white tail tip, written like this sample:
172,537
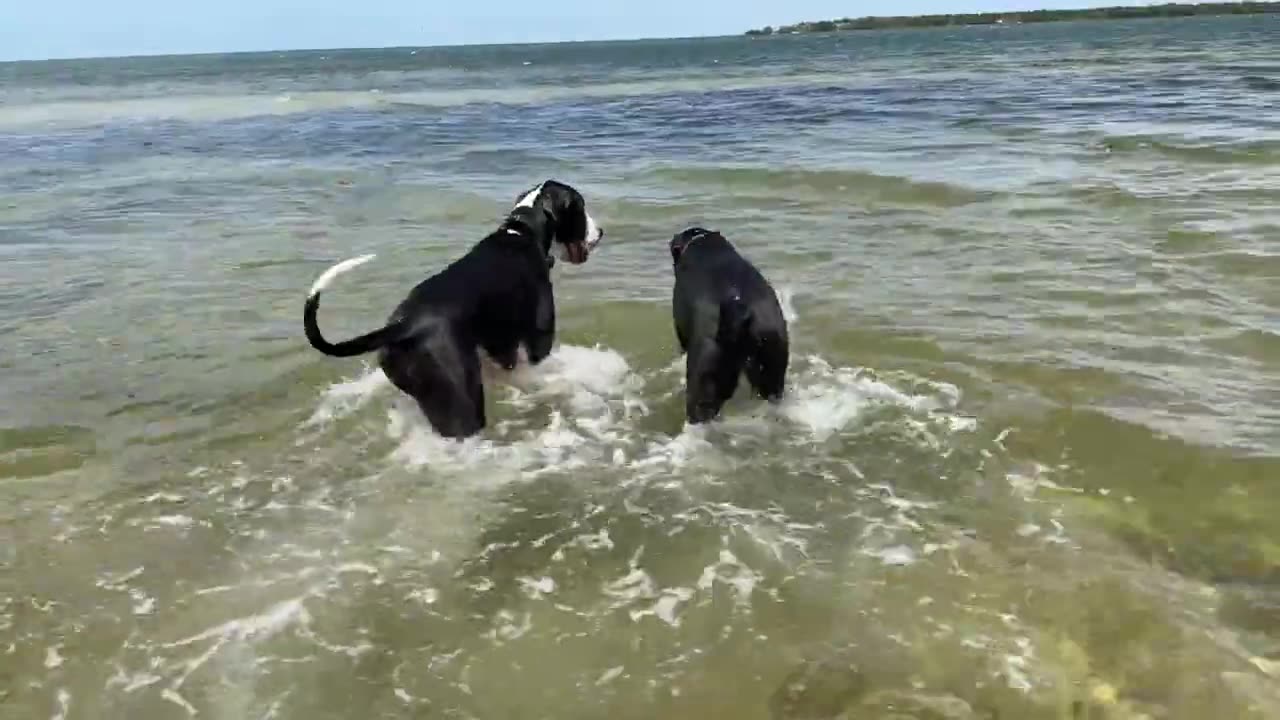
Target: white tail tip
323,281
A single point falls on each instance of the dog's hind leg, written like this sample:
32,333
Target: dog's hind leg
711,377
767,367
443,375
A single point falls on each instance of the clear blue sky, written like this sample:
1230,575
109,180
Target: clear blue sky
36,29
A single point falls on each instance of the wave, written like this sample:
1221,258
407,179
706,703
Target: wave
1259,344
688,531
65,114
1233,152
589,512
852,183
1261,83
31,452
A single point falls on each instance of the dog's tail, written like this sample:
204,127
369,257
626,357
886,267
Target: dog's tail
350,348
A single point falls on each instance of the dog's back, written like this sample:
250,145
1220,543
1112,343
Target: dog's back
729,321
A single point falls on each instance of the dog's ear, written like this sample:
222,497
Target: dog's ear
568,211
538,209
567,221
573,227
677,247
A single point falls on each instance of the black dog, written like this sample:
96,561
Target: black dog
728,321
497,297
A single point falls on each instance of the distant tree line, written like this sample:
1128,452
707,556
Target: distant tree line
1032,16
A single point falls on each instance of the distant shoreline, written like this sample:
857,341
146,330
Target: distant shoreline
1170,10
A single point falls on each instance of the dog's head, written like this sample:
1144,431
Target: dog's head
566,220
683,239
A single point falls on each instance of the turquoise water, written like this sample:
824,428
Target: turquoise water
1027,466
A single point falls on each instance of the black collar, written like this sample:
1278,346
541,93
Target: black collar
521,224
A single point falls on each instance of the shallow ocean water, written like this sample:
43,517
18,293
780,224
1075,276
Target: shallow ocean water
1027,465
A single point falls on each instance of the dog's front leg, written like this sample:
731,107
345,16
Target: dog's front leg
544,325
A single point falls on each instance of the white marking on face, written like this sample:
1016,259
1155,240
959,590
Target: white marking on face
594,234
329,275
590,239
529,199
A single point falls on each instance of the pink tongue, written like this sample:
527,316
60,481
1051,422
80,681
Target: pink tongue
577,253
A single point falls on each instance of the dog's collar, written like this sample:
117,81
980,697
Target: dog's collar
514,225
688,243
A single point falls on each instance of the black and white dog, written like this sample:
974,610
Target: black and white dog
497,297
728,320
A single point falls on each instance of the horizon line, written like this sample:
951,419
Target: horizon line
433,46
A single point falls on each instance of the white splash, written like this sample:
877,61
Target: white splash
591,542
537,587
426,596
107,582
343,398
587,390
895,556
172,696
637,586
168,497
610,675
181,521
506,627
664,608
266,624
64,705
1028,483
133,683
676,452
1015,666
732,572
825,400
586,376
143,604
